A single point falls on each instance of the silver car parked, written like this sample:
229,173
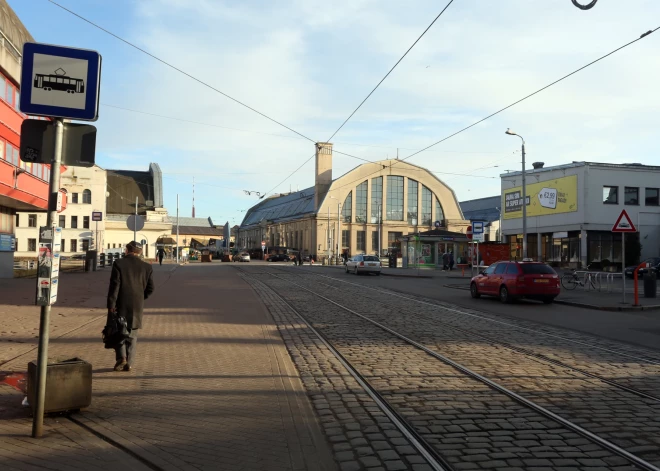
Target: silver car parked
363,264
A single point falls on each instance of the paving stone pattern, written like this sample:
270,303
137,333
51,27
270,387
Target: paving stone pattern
470,424
629,421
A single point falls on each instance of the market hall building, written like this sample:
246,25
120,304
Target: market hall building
372,206
572,208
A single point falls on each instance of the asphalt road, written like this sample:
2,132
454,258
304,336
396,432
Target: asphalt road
638,328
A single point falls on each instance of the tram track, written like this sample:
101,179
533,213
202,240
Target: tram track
514,348
518,398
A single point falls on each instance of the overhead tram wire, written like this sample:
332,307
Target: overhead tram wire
534,93
391,70
181,71
367,97
512,104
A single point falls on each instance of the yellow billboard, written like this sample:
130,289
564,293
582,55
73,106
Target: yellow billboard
549,197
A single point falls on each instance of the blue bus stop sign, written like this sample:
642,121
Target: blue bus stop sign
60,82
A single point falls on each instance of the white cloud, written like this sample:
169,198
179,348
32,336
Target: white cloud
308,64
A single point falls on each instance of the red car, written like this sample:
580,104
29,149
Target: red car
512,280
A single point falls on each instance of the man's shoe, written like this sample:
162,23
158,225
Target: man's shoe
127,367
120,364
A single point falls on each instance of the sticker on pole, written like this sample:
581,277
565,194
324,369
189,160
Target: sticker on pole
624,223
61,82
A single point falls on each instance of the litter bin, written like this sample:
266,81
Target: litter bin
68,385
650,285
90,260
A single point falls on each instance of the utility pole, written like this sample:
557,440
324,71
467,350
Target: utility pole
340,241
329,239
177,228
380,208
136,220
44,321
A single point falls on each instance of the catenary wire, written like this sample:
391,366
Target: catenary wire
181,71
509,106
390,71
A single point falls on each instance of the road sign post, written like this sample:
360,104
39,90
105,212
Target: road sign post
60,83
623,224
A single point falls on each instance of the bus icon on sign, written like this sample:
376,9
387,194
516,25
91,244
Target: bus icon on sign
59,81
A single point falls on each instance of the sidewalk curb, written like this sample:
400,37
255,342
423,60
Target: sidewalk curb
609,308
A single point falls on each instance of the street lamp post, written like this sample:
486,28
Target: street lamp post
524,194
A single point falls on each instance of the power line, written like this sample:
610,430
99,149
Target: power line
180,70
534,93
390,71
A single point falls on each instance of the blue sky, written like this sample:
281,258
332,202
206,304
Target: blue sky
308,64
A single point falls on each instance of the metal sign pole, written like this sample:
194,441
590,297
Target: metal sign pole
44,322
623,264
136,219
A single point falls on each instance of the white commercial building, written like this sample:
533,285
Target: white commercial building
86,193
571,210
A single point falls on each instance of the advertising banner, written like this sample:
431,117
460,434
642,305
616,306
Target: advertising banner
543,198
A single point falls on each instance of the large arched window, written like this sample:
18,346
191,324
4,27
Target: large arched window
427,198
394,198
439,213
87,197
376,200
413,195
361,203
347,209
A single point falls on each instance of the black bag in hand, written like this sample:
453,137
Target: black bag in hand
115,332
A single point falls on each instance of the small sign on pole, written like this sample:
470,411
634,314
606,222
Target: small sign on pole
477,227
623,224
97,216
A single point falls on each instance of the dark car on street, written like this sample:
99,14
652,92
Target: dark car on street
512,280
278,257
654,263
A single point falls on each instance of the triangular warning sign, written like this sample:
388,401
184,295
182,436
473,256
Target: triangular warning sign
624,223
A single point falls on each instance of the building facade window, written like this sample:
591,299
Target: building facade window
85,222
374,241
427,197
610,194
74,245
393,239
376,200
62,222
32,245
32,220
74,223
362,241
361,203
347,209
74,198
394,198
346,239
87,197
652,197
631,195
85,245
413,189
439,213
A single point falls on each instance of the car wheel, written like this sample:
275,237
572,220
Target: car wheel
474,291
548,300
505,297
377,273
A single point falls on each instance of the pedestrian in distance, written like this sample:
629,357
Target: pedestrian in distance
445,261
131,282
161,254
451,260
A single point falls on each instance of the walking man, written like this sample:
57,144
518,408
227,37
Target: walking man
131,283
161,254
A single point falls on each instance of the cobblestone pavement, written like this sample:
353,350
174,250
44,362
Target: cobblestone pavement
212,388
473,425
